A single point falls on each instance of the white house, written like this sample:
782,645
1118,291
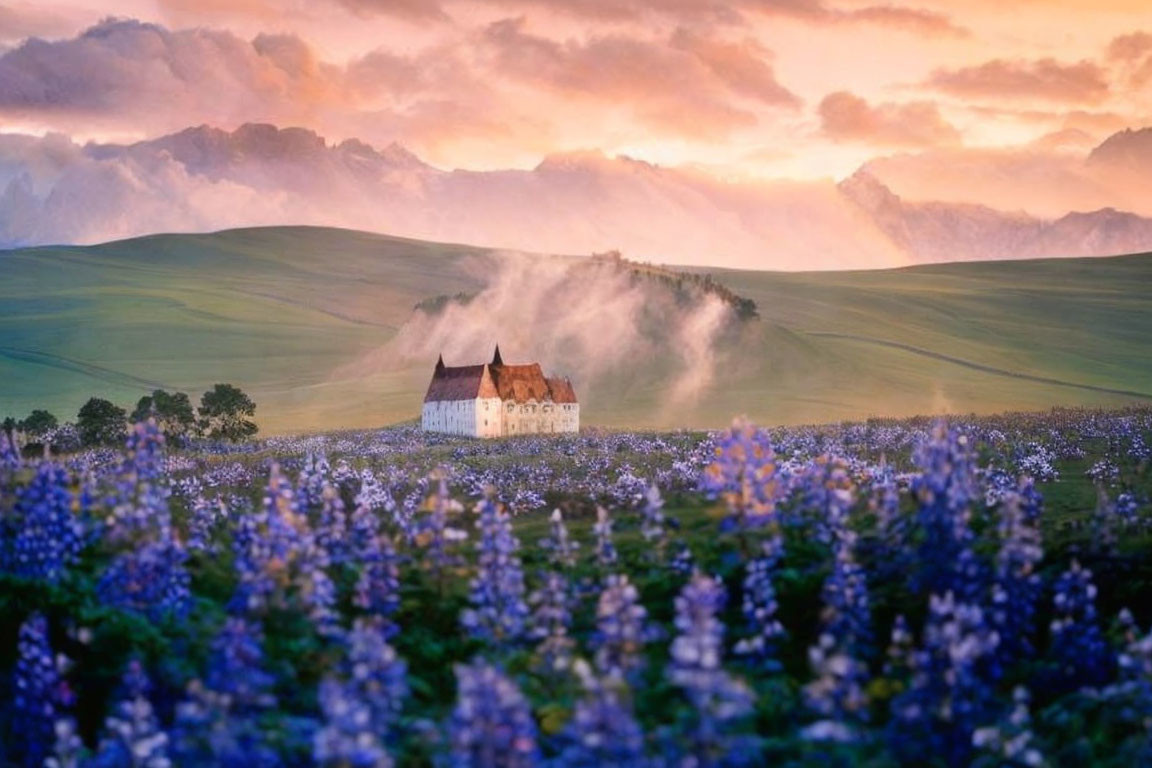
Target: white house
498,400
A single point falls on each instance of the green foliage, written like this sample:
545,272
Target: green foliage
38,422
101,423
172,411
225,413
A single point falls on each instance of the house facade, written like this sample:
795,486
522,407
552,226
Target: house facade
498,400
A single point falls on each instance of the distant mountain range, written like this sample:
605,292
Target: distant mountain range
53,190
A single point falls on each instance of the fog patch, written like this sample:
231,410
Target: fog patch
608,328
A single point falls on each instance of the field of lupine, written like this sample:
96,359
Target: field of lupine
885,593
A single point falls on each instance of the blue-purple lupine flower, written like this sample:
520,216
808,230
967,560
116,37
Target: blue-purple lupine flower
717,698
150,579
683,562
621,628
759,608
207,518
132,735
898,656
492,724
559,545
331,525
140,501
313,478
1031,501
47,535
279,560
836,694
945,489
436,534
9,454
550,622
374,672
1010,742
217,724
606,555
498,612
378,583
826,495
236,666
603,732
653,526
1016,585
1078,649
362,704
68,747
950,694
744,474
1135,660
347,739
38,696
847,615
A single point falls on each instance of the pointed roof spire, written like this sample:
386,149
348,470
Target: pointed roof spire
440,363
496,359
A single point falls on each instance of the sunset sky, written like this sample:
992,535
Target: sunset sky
768,88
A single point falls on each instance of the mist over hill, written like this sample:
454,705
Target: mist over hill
53,190
320,326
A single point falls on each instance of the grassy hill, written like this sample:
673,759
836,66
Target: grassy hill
284,311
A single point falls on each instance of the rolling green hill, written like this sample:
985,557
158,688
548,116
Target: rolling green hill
285,312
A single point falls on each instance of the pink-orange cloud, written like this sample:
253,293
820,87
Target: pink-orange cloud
845,116
690,89
1082,82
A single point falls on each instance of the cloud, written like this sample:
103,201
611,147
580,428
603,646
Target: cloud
742,66
126,72
712,79
21,20
694,13
129,76
414,9
929,23
1041,79
1132,53
847,117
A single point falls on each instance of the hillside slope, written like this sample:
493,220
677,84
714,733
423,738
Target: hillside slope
309,320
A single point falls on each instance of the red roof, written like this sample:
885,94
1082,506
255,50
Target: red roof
519,383
562,391
459,383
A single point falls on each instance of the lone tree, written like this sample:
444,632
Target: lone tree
172,411
39,423
225,413
101,423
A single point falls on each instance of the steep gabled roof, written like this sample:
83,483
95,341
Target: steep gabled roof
517,383
562,391
520,382
455,383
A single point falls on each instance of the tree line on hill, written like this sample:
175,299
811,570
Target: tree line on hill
683,283
225,413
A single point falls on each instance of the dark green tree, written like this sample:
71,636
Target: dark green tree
225,413
101,423
39,422
172,410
